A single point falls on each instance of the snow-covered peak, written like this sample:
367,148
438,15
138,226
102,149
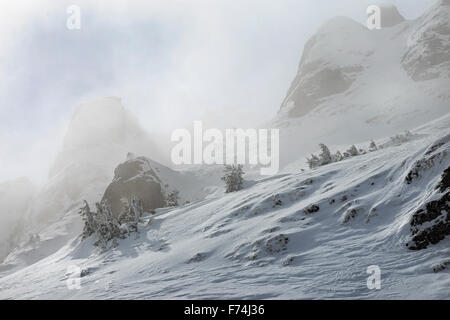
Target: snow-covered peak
355,84
330,62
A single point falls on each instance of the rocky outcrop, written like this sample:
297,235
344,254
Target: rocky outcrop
428,47
431,223
134,178
390,16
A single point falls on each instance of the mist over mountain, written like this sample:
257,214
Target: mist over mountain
303,233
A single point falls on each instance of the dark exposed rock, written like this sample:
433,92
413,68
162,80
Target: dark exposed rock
276,244
277,202
431,223
432,211
431,235
444,184
198,257
436,214
312,209
349,215
134,178
441,266
430,157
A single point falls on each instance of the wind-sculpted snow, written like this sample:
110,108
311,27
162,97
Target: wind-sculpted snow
300,235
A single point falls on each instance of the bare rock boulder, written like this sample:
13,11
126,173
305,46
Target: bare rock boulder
134,178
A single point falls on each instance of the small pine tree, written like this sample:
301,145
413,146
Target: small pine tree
338,156
88,217
107,226
313,162
233,177
408,134
372,146
325,155
352,151
172,198
400,138
131,215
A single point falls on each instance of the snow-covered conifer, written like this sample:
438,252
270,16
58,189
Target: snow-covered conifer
313,162
88,217
233,177
338,156
172,198
352,151
107,226
325,155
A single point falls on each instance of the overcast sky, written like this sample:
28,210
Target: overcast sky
172,62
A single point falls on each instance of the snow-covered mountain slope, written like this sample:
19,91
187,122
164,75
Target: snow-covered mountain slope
354,84
302,235
15,199
34,236
99,136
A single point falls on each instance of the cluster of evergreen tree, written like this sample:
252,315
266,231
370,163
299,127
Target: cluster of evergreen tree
171,199
106,226
401,138
232,176
326,157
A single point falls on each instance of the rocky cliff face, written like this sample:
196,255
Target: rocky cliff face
428,46
344,51
331,61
